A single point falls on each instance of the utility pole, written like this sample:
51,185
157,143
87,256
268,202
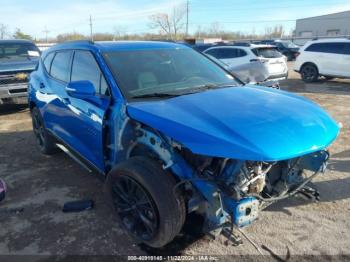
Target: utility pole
91,35
187,7
46,33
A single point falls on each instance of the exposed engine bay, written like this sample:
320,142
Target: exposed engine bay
249,186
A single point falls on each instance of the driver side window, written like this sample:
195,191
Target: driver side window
85,67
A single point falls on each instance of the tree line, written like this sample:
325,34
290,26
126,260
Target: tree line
166,26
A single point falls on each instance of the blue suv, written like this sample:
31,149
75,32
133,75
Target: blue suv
174,133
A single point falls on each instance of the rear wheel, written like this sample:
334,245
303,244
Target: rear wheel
45,142
309,73
141,193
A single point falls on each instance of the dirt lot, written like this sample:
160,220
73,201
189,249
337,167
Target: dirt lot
31,220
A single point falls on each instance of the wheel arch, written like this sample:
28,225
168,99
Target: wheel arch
32,105
310,63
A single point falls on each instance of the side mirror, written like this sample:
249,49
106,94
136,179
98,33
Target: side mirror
85,90
80,89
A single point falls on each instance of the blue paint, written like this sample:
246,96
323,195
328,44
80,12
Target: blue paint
240,123
245,122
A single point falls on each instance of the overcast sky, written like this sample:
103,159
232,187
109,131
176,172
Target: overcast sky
132,16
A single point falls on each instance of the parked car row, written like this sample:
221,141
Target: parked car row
260,62
247,60
285,47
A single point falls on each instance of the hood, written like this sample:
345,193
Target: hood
18,65
245,122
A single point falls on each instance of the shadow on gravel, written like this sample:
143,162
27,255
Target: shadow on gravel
330,191
191,233
7,109
35,196
321,86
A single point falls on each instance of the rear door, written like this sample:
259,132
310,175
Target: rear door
332,57
52,91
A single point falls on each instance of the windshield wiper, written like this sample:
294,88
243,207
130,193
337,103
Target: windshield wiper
207,87
186,91
156,95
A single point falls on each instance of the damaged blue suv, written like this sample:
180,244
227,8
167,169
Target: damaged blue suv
174,133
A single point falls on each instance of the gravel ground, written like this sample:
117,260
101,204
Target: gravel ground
31,220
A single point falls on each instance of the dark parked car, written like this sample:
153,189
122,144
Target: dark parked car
286,47
18,58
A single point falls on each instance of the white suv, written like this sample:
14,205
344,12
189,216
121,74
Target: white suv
327,57
240,54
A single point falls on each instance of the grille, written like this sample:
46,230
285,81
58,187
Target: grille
14,77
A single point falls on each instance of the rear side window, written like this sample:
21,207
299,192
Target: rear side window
226,53
60,66
347,48
85,67
47,61
267,52
333,48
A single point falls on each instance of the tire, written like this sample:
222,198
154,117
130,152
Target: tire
159,217
290,57
45,141
309,73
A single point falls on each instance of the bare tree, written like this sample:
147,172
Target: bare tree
3,31
215,29
162,22
169,24
119,32
274,32
178,15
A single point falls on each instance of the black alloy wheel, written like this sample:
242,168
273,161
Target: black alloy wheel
141,195
45,142
135,208
38,128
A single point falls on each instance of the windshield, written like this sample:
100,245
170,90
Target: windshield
267,52
174,71
18,51
289,44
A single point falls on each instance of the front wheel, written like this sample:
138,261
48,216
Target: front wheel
309,73
141,193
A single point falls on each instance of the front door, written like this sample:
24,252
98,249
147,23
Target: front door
85,122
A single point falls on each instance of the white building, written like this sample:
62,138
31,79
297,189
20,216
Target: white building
337,24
